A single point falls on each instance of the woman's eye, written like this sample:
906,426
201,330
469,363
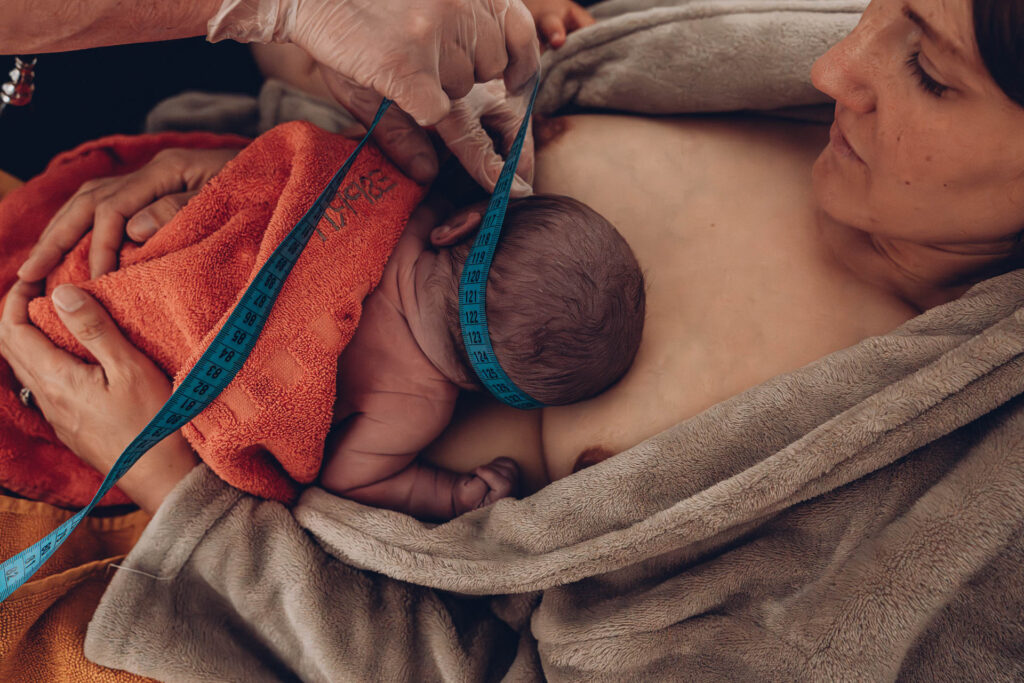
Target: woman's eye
930,85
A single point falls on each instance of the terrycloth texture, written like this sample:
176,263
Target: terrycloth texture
33,463
265,433
42,625
673,56
861,518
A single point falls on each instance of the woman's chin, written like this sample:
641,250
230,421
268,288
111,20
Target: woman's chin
827,185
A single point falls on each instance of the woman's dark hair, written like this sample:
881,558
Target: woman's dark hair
999,30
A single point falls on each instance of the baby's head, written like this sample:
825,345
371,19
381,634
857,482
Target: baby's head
565,299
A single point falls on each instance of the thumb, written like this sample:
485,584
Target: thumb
475,151
551,26
91,325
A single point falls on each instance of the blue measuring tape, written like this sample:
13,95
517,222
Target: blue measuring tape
231,346
473,284
212,373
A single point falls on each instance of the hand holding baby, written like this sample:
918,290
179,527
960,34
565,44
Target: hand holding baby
95,410
136,205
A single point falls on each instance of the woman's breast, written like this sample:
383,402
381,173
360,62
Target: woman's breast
721,217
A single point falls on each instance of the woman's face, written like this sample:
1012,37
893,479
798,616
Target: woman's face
925,147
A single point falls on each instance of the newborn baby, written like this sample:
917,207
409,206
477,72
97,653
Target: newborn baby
565,307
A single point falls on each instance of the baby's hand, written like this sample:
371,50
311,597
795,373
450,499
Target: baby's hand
557,18
486,484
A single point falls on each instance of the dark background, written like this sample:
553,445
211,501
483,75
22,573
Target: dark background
87,94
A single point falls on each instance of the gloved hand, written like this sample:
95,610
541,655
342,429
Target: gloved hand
411,51
463,130
488,107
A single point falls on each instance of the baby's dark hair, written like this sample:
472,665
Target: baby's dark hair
565,300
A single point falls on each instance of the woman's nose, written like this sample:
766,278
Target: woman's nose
845,73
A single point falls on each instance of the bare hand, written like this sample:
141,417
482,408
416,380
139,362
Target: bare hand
95,410
138,204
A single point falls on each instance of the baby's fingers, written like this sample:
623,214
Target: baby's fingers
578,18
552,29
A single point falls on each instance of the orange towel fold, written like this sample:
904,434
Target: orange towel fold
170,296
42,625
33,462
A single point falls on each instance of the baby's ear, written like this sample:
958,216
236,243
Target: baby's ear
455,229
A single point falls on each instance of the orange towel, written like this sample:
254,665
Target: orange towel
42,625
265,434
33,463
8,183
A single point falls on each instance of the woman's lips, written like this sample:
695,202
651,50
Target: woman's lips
841,145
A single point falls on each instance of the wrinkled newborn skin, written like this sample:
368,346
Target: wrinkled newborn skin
400,375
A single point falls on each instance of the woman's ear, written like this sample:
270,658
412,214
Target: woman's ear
455,229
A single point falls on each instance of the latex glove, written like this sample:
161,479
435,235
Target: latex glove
465,131
418,53
488,107
136,204
401,139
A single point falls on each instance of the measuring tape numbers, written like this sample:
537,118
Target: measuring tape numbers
231,347
213,371
473,283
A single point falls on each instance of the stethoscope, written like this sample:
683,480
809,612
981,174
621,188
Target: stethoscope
17,92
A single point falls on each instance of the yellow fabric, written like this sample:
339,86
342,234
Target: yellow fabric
42,625
8,183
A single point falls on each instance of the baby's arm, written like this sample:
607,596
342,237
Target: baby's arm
372,459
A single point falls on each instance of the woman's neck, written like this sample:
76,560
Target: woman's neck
922,275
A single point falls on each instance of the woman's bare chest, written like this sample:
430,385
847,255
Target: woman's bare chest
722,220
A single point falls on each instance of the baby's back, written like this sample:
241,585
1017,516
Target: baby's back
384,366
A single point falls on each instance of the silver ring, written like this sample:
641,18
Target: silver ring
26,397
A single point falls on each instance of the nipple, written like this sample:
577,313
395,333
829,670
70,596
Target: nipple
590,456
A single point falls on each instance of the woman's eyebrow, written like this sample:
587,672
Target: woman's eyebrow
931,34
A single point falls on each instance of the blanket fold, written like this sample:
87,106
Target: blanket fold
861,518
672,56
171,295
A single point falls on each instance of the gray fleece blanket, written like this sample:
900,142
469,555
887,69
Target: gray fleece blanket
859,519
643,56
675,56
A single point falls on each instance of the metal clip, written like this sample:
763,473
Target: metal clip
17,92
